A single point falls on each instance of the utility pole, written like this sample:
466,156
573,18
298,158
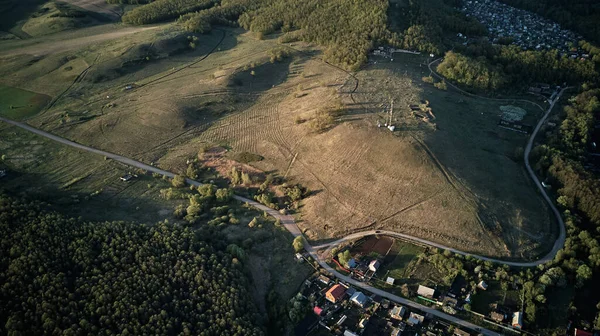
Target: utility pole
391,112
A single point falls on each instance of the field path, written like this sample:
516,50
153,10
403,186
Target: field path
45,46
294,229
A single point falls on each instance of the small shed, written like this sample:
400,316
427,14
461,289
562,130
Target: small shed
390,280
496,316
459,332
324,279
318,310
517,320
482,285
350,333
426,291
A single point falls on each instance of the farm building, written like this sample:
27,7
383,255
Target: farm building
359,299
335,294
374,265
517,320
398,313
426,292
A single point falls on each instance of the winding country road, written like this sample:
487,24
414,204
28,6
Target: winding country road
289,223
286,220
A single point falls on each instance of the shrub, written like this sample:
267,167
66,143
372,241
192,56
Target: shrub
298,244
178,181
441,85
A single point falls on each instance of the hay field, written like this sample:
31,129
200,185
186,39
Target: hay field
437,179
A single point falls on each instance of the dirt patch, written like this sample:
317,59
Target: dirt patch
379,245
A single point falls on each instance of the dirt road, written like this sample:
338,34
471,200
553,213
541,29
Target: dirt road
55,43
289,223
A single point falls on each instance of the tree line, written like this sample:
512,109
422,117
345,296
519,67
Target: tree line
60,275
497,67
562,163
161,10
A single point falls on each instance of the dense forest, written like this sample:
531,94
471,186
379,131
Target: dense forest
494,67
426,24
60,275
581,16
347,29
162,10
562,163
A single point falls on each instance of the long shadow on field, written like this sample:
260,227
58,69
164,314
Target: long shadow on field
103,207
13,11
483,164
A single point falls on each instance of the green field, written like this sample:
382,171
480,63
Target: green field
401,255
19,104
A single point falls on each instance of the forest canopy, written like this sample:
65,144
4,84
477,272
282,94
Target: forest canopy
63,276
484,66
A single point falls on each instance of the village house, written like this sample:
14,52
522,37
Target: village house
374,265
415,319
398,313
359,299
517,320
335,294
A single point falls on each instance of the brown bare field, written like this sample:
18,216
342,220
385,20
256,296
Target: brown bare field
379,245
453,179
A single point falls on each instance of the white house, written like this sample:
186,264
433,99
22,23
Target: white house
374,265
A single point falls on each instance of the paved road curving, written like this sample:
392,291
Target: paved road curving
286,220
289,223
